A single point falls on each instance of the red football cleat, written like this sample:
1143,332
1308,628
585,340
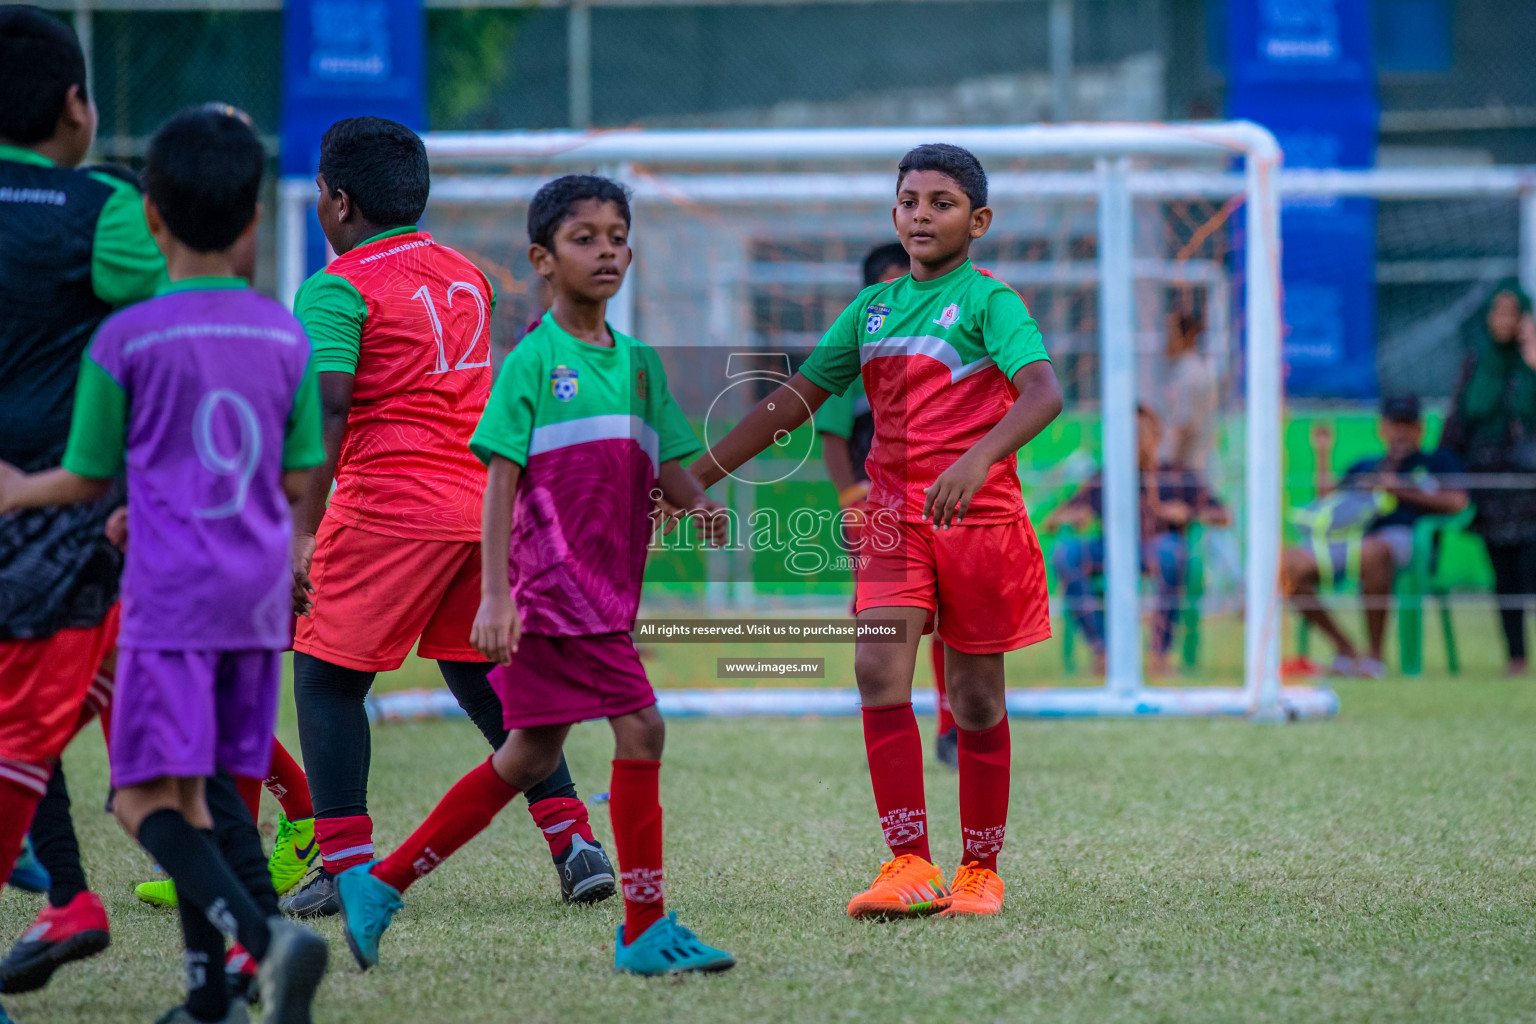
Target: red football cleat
240,974
59,935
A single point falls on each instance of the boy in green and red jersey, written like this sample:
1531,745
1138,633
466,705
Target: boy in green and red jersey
400,329
846,426
581,437
958,380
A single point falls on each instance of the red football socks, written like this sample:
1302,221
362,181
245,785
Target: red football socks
288,783
344,842
21,788
634,802
560,818
936,652
895,750
462,813
984,772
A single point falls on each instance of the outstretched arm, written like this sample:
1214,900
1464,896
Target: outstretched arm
1039,403
790,405
50,487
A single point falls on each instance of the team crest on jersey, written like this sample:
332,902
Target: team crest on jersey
950,316
875,317
563,383
642,385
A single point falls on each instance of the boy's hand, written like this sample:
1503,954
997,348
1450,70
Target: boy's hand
303,586
497,629
666,514
949,497
714,522
117,528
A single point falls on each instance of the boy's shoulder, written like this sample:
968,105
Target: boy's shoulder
638,350
985,284
169,309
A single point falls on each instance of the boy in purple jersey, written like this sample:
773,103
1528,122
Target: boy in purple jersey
204,395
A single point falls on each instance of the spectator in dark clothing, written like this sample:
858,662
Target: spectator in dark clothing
1411,476
1493,428
1172,497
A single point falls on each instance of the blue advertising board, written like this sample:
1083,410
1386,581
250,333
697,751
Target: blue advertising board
344,58
1304,69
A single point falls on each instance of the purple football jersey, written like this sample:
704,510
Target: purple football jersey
209,376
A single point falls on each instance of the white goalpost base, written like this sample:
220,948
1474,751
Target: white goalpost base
1296,702
1115,184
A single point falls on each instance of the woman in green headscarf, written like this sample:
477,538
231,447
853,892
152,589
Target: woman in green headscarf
1494,429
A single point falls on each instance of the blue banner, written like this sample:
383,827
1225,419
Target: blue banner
1304,69
345,58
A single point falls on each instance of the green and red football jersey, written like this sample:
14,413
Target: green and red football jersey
937,359
410,319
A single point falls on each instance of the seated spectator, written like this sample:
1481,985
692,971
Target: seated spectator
1172,497
1408,478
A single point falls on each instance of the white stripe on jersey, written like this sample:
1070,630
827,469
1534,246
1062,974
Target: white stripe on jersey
611,427
924,345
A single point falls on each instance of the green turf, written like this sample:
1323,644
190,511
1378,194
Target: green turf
1376,867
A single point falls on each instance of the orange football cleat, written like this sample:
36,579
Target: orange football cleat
906,887
977,890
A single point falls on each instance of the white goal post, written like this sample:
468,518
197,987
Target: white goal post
721,167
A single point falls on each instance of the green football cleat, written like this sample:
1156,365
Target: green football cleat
293,853
157,894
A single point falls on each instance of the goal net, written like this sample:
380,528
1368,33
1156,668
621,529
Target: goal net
749,243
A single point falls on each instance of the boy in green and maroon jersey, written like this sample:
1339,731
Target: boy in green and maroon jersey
958,380
400,329
581,437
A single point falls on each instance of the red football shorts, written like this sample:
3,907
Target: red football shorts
986,583
376,595
43,684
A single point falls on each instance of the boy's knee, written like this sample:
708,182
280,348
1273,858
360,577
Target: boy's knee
878,674
640,736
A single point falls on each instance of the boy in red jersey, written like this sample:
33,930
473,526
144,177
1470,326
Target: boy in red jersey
846,427
581,436
400,329
959,381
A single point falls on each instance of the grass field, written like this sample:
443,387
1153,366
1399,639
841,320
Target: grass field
1375,867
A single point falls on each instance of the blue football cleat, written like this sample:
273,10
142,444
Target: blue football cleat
29,875
666,947
367,905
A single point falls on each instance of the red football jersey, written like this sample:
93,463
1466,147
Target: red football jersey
423,376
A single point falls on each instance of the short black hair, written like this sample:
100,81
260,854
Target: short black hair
379,163
959,164
553,203
891,254
203,173
40,59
